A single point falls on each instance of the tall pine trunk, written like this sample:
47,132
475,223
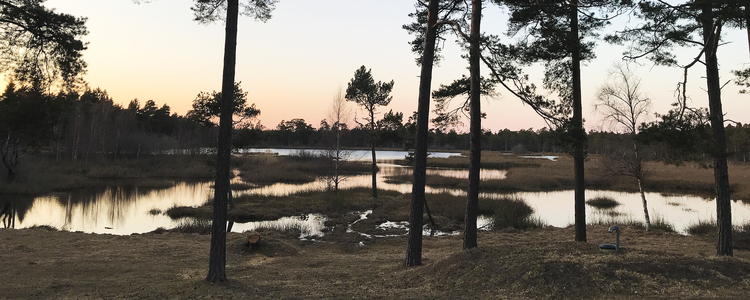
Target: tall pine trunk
416,218
579,133
711,32
475,129
374,159
218,254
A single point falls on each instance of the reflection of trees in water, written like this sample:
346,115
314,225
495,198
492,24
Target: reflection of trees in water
114,200
12,208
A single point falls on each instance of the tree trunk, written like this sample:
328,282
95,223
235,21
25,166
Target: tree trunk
577,127
475,129
218,253
374,159
416,218
711,35
645,205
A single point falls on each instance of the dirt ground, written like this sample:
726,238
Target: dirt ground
509,264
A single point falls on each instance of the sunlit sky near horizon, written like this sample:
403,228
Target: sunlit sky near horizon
293,65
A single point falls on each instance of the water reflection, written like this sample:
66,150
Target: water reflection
114,209
124,208
14,208
362,155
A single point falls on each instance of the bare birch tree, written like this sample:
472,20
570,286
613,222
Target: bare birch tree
338,115
624,106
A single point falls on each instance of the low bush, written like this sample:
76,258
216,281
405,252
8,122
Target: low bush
603,203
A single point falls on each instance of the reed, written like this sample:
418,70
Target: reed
703,227
191,225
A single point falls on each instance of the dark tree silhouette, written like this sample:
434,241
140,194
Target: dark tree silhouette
363,90
693,24
207,107
27,120
416,216
555,33
428,27
210,11
40,45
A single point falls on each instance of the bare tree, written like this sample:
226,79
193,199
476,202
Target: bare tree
624,106
337,118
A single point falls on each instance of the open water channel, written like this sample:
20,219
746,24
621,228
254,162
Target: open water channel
126,208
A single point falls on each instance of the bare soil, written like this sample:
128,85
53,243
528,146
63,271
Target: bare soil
535,264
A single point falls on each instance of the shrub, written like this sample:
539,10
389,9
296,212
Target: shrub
603,203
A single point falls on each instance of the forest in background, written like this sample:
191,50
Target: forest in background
79,126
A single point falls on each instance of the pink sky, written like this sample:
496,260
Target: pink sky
294,64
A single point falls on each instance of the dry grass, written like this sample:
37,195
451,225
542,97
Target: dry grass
534,264
269,168
534,174
41,174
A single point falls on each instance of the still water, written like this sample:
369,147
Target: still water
126,209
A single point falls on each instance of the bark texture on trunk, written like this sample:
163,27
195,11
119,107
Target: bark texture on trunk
711,33
416,216
374,159
577,127
218,253
475,129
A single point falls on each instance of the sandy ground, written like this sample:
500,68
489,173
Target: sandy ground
542,263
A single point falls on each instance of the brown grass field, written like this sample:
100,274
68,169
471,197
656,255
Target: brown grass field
543,263
534,264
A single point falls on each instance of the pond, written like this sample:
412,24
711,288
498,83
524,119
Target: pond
358,155
128,208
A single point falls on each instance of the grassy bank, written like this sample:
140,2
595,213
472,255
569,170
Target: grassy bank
536,264
268,168
536,174
42,174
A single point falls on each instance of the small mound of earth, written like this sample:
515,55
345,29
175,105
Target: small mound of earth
272,243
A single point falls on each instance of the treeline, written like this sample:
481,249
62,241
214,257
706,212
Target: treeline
79,126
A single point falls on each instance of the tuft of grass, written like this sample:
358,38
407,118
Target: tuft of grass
178,212
603,203
241,186
44,227
191,225
703,227
658,222
155,212
515,213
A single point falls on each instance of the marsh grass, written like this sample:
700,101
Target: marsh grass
268,168
660,223
514,213
39,174
603,202
191,225
241,186
702,227
178,212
